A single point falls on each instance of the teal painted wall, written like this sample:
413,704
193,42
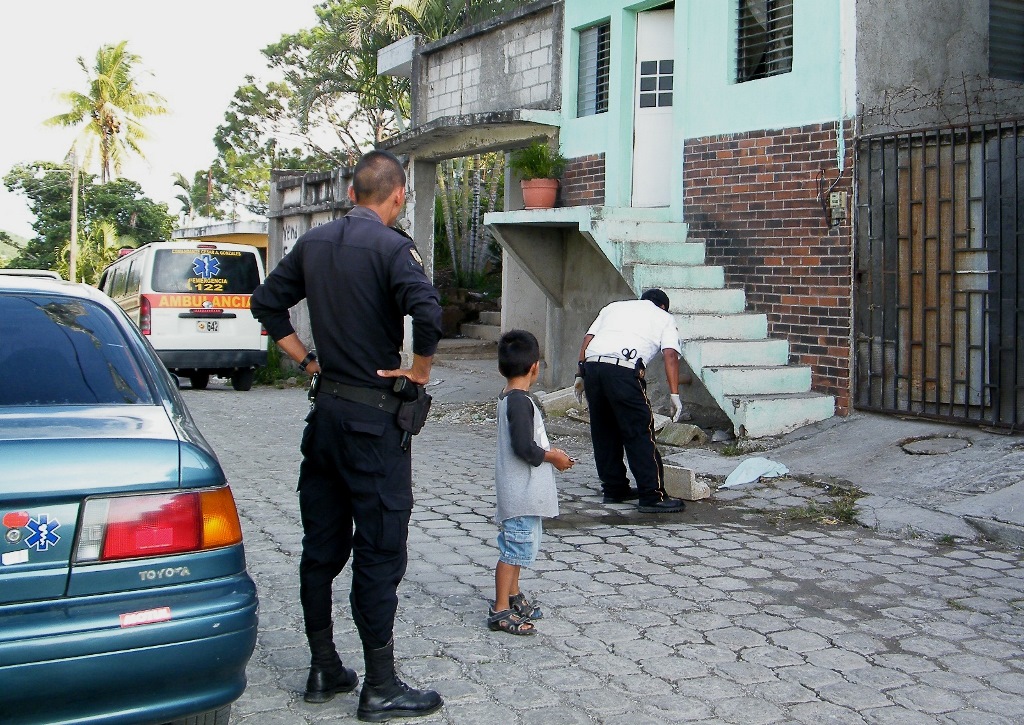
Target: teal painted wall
708,100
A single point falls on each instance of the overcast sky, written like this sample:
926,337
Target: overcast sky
197,51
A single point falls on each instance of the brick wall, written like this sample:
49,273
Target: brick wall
755,198
583,181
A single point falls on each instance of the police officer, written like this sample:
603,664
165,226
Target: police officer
612,360
359,277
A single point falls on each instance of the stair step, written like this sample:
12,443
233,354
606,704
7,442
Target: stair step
700,354
490,317
691,300
462,348
757,416
709,326
722,382
663,252
491,333
635,230
702,276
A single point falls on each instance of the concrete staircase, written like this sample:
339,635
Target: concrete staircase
746,372
488,328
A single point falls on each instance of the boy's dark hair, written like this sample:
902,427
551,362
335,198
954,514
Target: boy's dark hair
518,350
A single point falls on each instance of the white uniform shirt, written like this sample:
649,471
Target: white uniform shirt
638,325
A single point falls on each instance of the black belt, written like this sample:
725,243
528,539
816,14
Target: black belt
379,398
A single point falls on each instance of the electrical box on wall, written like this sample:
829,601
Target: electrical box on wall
837,208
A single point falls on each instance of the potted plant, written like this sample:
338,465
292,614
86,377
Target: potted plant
539,167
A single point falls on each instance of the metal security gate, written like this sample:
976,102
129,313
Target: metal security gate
939,274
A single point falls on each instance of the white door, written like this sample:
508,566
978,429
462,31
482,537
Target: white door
652,108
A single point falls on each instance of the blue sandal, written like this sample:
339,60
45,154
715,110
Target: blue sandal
524,607
508,621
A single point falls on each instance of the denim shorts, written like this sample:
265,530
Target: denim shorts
519,540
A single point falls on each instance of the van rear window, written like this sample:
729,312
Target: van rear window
205,270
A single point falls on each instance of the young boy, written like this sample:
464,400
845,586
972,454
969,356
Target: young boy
524,479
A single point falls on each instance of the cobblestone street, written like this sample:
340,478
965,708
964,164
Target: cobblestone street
721,614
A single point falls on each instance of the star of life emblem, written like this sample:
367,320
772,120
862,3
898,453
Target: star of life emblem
44,533
206,266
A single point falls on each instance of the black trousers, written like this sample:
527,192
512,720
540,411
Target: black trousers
355,497
621,419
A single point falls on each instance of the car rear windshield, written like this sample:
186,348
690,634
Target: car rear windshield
205,270
60,351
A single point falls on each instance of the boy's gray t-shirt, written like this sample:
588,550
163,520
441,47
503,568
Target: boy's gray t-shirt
525,484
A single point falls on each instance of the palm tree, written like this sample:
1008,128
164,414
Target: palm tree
110,111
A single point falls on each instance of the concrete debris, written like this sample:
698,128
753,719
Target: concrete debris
682,483
681,434
722,435
752,469
660,421
557,402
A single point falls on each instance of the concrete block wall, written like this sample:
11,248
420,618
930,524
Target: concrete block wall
583,181
511,64
754,198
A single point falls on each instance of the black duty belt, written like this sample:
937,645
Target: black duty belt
379,398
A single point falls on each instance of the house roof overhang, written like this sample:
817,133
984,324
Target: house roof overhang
452,137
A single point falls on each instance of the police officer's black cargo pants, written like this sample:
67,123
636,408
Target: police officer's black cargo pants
621,419
354,473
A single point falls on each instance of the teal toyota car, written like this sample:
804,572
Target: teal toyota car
124,595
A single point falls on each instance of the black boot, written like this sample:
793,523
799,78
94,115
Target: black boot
384,696
327,676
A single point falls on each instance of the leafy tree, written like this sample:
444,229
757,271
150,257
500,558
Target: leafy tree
110,110
98,247
135,218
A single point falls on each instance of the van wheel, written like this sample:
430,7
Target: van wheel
242,379
199,380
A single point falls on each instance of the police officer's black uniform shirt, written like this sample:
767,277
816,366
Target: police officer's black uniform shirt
359,278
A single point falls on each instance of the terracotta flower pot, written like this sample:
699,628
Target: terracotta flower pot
539,193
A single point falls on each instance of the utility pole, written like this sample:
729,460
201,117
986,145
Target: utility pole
73,247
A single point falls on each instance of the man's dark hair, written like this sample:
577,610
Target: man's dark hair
376,176
656,296
518,350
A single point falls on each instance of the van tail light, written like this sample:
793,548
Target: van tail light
133,527
263,331
146,316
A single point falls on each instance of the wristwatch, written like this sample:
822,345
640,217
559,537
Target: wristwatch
579,368
310,357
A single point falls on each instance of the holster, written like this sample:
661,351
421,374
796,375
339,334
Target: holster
412,414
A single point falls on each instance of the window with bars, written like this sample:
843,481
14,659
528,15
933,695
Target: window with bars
765,39
1006,39
595,62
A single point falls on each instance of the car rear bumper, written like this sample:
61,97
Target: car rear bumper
72,661
212,359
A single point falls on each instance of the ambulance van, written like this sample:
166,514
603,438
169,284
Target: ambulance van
191,299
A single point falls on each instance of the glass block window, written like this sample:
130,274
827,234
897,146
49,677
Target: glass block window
595,62
1006,39
765,39
656,81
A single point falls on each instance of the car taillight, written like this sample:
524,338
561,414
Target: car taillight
145,316
133,527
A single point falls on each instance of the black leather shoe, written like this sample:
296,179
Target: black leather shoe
621,497
384,696
324,683
327,675
668,506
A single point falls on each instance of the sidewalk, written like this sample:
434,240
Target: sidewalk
962,482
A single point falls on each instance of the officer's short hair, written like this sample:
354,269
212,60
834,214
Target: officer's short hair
376,176
518,350
656,296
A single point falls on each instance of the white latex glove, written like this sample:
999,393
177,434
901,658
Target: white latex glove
577,388
677,407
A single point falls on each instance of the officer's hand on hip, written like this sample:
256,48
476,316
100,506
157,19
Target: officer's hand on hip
577,388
